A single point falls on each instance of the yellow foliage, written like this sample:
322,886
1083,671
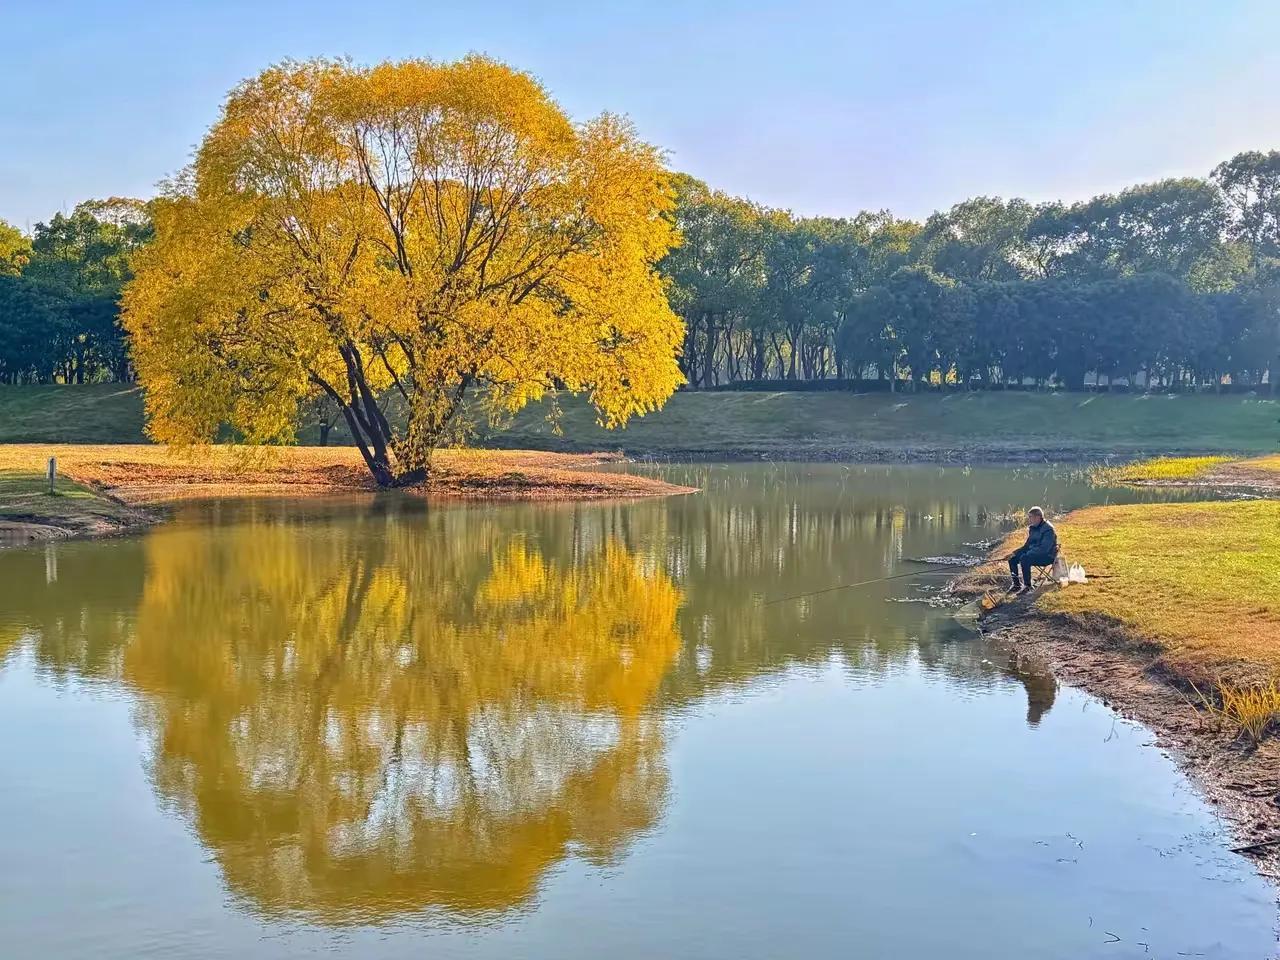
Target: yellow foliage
377,719
414,230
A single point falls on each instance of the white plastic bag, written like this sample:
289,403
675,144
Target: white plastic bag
1076,574
1060,572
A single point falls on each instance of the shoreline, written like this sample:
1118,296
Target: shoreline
974,454
1238,779
1238,477
19,530
110,490
1162,626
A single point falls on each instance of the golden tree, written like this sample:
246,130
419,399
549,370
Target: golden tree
395,238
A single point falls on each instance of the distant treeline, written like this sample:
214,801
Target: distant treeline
1168,284
60,290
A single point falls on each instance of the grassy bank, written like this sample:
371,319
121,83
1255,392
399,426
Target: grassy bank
1201,581
783,425
142,474
1256,474
1178,628
28,511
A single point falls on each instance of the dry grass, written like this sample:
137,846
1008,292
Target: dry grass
150,474
1201,580
1254,710
1269,464
1157,469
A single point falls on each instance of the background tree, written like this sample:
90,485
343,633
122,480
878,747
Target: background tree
412,230
15,250
714,279
78,264
980,239
1250,182
33,326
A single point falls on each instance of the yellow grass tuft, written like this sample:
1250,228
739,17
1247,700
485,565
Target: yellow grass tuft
1253,709
1157,469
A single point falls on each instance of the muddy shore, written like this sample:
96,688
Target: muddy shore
19,529
1240,779
1234,478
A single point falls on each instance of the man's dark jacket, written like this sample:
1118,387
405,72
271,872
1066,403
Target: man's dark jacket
1042,540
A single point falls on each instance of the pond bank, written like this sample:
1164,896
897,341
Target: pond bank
110,489
1183,598
1240,779
1258,476
825,450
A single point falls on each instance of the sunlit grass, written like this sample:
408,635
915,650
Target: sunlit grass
1254,709
25,494
1201,580
1156,469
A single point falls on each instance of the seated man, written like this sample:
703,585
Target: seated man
1041,548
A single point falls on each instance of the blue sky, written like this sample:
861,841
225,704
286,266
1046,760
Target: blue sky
819,107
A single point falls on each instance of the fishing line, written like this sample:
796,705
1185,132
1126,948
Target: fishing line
861,583
903,576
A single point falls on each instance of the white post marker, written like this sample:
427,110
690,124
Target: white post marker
53,472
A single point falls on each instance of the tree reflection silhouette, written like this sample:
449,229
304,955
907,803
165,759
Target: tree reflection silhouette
370,721
368,709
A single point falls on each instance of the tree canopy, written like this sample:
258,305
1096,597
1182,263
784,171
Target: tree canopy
60,291
1165,283
406,247
393,238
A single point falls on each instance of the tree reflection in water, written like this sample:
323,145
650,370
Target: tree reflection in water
364,722
372,710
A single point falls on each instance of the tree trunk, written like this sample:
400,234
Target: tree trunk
709,356
366,422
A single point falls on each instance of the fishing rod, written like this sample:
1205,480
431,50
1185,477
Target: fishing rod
862,583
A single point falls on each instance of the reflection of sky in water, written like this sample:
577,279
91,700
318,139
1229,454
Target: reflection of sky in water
552,730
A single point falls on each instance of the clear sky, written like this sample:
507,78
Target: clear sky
819,107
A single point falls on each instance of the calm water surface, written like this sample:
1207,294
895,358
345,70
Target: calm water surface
380,729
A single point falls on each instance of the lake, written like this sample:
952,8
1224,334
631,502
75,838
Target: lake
380,728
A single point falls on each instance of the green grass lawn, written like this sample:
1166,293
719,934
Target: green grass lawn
101,413
26,496
796,425
831,424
